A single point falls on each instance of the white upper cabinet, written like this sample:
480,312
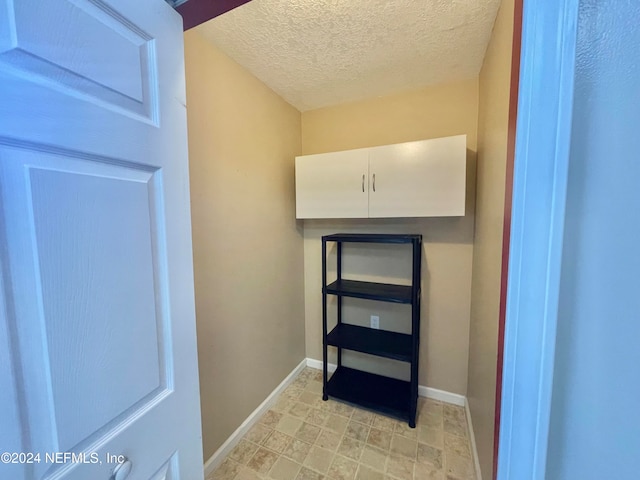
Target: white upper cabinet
333,185
418,179
414,179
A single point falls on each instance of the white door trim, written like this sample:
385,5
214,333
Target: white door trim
543,137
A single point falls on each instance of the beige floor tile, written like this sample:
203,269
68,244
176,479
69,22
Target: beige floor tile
243,452
307,433
461,468
454,412
400,467
258,433
310,373
357,430
314,387
317,416
283,404
429,455
404,446
297,450
328,439
310,398
300,382
384,423
308,474
431,406
299,410
431,436
379,438
246,473
365,473
430,420
277,441
342,409
288,424
326,405
455,426
284,469
342,468
457,445
351,448
336,423
374,458
227,470
319,459
262,460
307,372
406,431
427,472
362,416
271,418
293,391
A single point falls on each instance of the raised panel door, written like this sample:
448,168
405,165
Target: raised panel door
97,321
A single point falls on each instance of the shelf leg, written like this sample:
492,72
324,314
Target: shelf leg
324,321
415,330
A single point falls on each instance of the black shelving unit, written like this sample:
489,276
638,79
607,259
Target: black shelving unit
393,397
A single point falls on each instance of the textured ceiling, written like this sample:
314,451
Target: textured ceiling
316,53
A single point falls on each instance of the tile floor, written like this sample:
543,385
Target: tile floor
304,438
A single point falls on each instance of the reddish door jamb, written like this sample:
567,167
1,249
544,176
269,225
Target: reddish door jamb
506,233
195,12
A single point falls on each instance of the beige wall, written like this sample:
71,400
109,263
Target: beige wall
495,79
248,250
427,113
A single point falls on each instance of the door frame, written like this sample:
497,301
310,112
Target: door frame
545,104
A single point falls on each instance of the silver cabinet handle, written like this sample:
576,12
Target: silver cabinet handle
363,183
374,182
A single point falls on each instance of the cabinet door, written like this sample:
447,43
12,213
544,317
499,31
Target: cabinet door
333,185
418,179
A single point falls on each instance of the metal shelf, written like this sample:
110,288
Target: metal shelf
382,343
372,238
386,395
384,292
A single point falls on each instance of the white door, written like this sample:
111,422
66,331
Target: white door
333,185
418,179
97,322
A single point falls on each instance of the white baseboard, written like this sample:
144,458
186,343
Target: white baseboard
317,364
423,391
441,395
472,438
216,459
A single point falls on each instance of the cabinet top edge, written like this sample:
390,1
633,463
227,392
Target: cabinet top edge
374,147
372,238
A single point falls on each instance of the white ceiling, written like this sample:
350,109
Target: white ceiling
316,53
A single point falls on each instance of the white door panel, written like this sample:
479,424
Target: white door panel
97,322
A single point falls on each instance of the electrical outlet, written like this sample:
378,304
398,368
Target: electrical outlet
375,321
